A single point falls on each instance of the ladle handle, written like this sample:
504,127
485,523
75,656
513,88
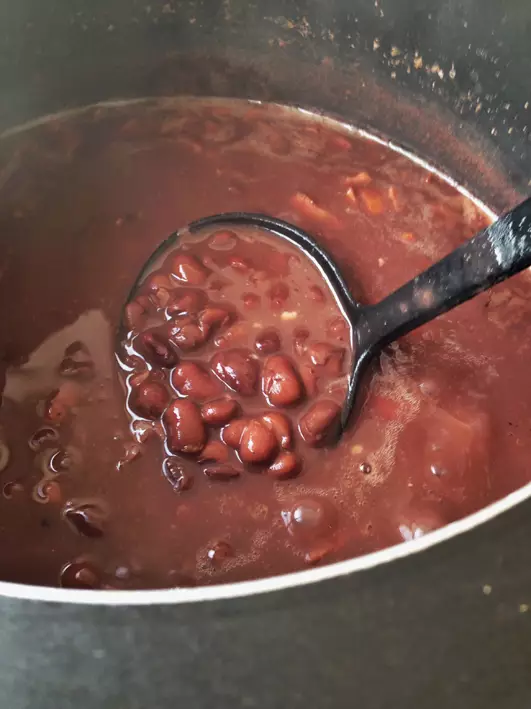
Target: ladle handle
494,254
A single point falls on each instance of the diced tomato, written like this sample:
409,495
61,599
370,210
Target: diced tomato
360,179
395,198
306,206
351,195
372,200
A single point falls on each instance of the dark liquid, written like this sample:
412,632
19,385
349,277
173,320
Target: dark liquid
85,200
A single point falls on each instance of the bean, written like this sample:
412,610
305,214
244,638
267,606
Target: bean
219,551
64,460
300,338
220,411
80,575
251,301
12,489
280,426
221,472
258,443
311,518
149,399
156,348
184,427
286,465
47,491
320,424
188,269
281,384
278,294
327,356
215,452
86,518
186,300
337,329
223,241
176,475
194,380
160,287
186,333
71,368
236,334
136,312
213,318
267,342
316,294
160,298
157,280
238,369
61,402
232,434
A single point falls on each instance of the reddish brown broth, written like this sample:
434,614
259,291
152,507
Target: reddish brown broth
85,502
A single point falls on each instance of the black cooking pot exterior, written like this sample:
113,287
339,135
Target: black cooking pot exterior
449,628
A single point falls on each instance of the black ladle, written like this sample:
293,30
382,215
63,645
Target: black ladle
493,255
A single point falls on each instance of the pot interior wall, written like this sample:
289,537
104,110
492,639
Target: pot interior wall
428,74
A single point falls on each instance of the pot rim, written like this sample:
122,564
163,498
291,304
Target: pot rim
242,589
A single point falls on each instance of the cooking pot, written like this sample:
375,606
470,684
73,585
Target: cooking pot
440,622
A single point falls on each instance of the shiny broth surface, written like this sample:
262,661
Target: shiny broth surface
195,449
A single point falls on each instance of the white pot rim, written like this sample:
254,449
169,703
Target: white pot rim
243,589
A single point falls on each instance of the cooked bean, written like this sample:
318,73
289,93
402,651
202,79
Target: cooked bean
149,398
219,551
184,427
258,443
220,411
86,518
300,340
80,575
278,294
59,405
267,342
213,318
310,519
43,437
188,269
280,426
186,300
280,382
185,333
223,240
320,424
136,312
215,452
251,301
238,369
156,348
286,465
194,380
233,432
221,472
328,357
